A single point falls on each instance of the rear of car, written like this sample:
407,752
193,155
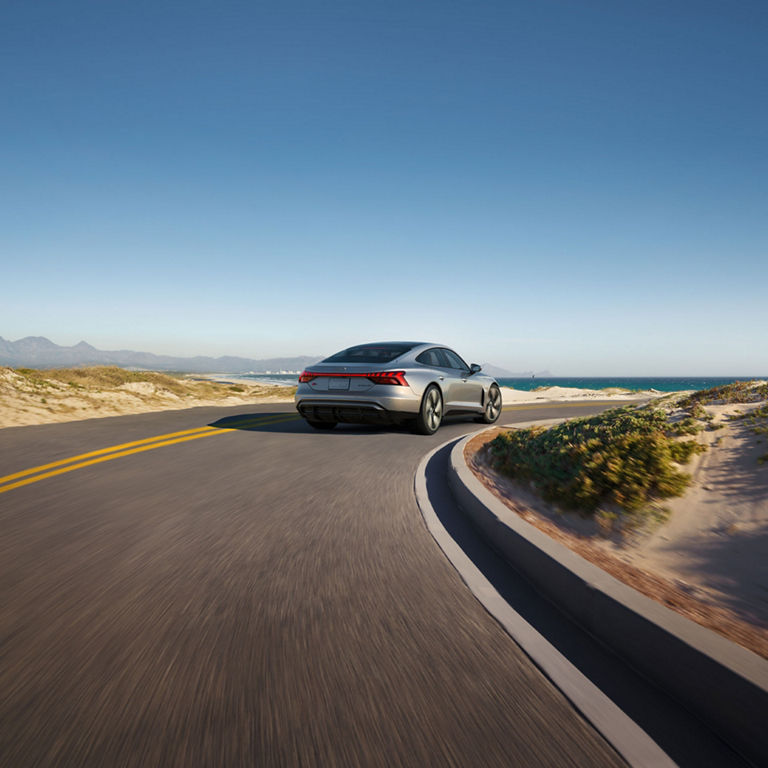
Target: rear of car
395,382
362,384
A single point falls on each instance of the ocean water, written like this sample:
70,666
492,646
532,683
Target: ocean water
661,384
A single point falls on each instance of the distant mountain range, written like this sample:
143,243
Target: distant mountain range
39,352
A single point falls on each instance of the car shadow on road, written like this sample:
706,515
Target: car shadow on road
292,423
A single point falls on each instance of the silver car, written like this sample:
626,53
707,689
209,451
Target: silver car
395,382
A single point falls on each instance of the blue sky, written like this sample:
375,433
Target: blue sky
576,186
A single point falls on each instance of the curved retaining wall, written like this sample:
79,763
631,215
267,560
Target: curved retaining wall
722,683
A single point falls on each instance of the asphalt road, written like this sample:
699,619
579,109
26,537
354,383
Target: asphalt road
262,596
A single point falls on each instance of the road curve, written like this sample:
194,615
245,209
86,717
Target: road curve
263,596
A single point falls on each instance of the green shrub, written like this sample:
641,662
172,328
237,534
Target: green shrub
687,426
736,392
697,412
625,457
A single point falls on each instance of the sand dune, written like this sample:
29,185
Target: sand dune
43,397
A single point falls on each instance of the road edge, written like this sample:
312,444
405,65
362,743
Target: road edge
684,659
617,728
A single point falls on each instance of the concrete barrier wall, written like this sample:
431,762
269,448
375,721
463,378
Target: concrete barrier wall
725,685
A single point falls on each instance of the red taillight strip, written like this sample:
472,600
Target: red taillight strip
377,377
388,377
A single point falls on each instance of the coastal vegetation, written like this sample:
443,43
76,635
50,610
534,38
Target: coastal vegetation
33,396
736,392
625,459
106,377
100,377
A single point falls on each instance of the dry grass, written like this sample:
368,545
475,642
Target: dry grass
30,396
737,392
101,377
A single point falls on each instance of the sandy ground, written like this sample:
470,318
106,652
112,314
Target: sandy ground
706,557
715,542
563,394
26,400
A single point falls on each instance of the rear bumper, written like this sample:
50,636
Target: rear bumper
381,411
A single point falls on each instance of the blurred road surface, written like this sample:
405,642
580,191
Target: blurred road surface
265,596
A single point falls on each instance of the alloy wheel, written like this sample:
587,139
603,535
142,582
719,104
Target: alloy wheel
434,409
493,406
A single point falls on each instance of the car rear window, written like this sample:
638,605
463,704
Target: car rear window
369,353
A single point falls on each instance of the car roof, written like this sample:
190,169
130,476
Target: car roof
415,347
412,344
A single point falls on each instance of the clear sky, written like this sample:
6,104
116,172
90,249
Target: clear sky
577,186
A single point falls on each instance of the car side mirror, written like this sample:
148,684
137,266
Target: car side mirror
475,368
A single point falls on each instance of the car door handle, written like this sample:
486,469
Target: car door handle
442,378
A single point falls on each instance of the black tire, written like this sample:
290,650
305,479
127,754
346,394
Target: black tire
321,424
431,411
492,406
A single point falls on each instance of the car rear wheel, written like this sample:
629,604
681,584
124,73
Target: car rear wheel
431,411
492,406
321,424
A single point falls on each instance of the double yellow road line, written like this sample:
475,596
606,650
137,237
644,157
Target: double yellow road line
35,474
